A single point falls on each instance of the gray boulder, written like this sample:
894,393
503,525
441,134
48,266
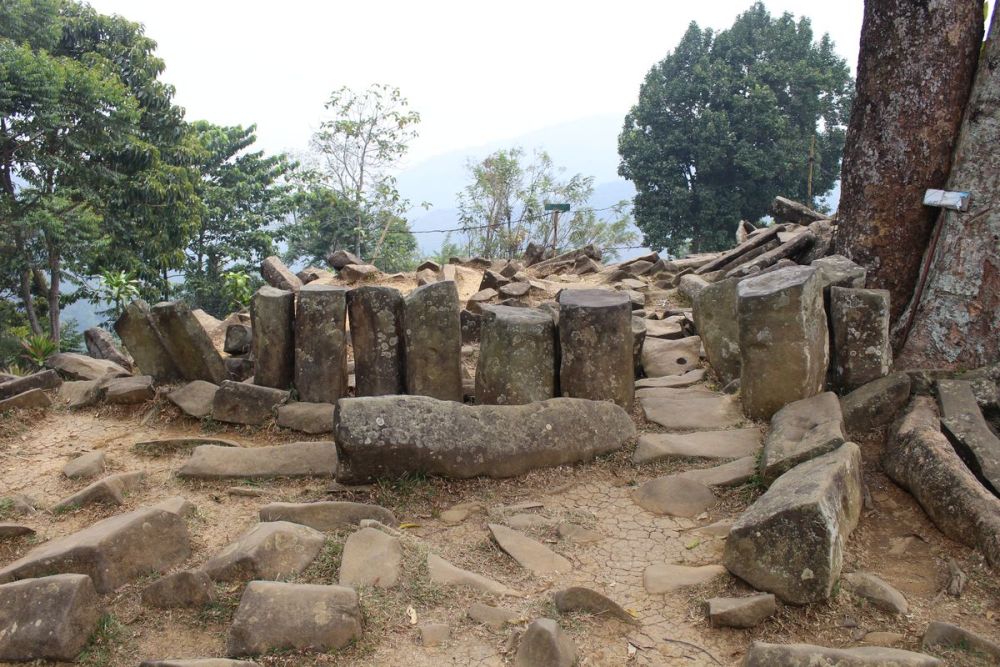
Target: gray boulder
50,618
195,399
801,431
130,390
311,418
81,367
272,313
393,436
101,345
86,465
298,459
578,598
110,491
790,542
242,403
517,357
371,558
595,342
949,636
270,550
433,342
338,259
29,400
278,275
874,590
187,588
744,612
239,338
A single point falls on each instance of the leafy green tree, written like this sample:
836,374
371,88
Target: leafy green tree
729,120
502,209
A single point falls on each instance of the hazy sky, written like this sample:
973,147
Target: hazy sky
476,71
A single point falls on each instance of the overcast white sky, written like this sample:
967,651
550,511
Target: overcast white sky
476,71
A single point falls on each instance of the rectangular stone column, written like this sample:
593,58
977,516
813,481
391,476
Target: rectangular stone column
433,341
517,358
272,316
376,316
321,344
861,350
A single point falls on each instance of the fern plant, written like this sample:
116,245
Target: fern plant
38,348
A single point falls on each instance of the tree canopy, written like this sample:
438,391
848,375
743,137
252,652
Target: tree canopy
727,121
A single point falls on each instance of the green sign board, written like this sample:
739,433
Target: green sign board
562,208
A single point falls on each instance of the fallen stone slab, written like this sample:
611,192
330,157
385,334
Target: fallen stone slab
949,636
671,327
794,248
744,612
298,459
661,578
130,390
239,338
195,399
875,404
10,531
578,598
164,446
32,399
86,465
692,411
674,495
356,273
270,550
276,616
110,491
50,618
964,425
187,588
752,247
112,552
494,617
144,342
762,654
310,418
432,340
790,542
673,381
48,379
732,444
595,341
801,431
81,393
443,572
733,473
529,554
76,366
371,558
391,436
199,662
671,357
186,341
875,591
919,458
544,644
326,515
278,275
242,403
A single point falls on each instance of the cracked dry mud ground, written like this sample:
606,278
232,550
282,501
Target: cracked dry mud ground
894,540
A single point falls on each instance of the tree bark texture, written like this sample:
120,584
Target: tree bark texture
956,321
915,70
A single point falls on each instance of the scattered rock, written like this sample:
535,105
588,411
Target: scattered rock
528,553
544,644
801,431
111,491
81,367
187,588
745,612
663,578
578,598
112,552
371,558
9,531
876,591
884,638
165,446
101,345
270,550
28,400
790,542
81,393
338,259
199,662
278,276
946,635
276,616
733,473
130,390
86,465
806,655
326,515
459,513
356,273
572,532
195,399
242,403
495,617
391,436
434,634
674,496
50,618
595,339
298,459
48,379
433,342
443,572
731,444
310,418
875,404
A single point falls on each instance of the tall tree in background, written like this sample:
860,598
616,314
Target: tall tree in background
728,121
915,70
502,209
956,312
365,137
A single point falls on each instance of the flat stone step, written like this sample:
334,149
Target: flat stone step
677,381
762,654
674,495
735,443
661,578
371,558
732,473
298,459
692,411
270,550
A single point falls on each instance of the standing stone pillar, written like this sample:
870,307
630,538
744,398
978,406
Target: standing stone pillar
433,341
715,319
377,338
861,349
135,328
272,313
783,339
187,342
595,341
517,357
321,344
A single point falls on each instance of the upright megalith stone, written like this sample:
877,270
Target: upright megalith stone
377,338
272,313
595,342
790,542
321,344
187,342
717,324
860,350
783,339
142,340
432,338
517,356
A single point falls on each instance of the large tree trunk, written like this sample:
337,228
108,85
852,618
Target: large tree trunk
956,314
915,70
